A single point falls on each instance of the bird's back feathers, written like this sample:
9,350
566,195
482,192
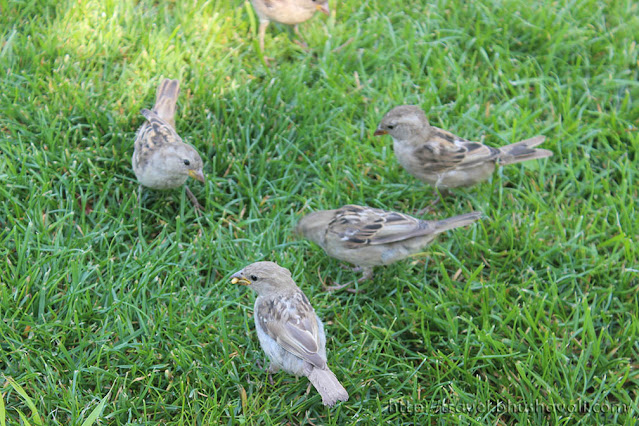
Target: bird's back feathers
291,322
155,132
160,126
359,226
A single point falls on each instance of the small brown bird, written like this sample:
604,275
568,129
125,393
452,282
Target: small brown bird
290,12
368,237
289,331
161,160
443,159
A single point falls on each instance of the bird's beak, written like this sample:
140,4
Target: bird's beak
197,175
380,132
324,9
239,278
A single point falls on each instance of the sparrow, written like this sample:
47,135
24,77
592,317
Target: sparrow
161,160
290,12
289,330
367,237
443,159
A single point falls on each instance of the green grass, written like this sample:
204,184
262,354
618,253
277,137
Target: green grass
129,316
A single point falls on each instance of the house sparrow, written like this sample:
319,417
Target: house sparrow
367,237
290,12
444,160
161,160
289,331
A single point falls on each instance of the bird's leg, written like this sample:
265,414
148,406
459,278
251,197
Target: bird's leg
351,268
300,40
439,195
272,369
198,206
331,288
261,35
367,275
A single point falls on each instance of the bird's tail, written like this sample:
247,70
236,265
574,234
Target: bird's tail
523,151
456,221
328,386
166,100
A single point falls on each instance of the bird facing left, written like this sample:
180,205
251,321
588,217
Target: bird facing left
289,331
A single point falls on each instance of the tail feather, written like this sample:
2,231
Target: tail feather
456,221
328,386
166,100
523,151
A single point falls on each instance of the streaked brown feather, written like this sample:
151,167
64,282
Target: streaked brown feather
290,320
445,151
359,226
152,135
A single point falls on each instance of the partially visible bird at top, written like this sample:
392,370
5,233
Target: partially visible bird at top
290,12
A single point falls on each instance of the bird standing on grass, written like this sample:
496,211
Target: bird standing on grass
289,331
161,160
368,237
443,159
290,12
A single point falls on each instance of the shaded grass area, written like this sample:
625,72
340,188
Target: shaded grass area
535,305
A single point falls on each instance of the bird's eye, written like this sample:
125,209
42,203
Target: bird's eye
390,127
253,278
187,163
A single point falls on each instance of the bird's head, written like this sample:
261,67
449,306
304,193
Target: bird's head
403,122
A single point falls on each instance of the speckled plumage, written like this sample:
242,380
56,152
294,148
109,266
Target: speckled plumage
367,237
289,331
161,160
443,159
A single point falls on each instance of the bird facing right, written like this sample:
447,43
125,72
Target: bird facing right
366,237
290,12
161,160
443,159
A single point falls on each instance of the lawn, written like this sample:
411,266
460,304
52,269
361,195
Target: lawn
118,314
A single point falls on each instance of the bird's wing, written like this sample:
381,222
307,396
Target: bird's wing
359,226
444,151
477,153
439,152
292,323
152,135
